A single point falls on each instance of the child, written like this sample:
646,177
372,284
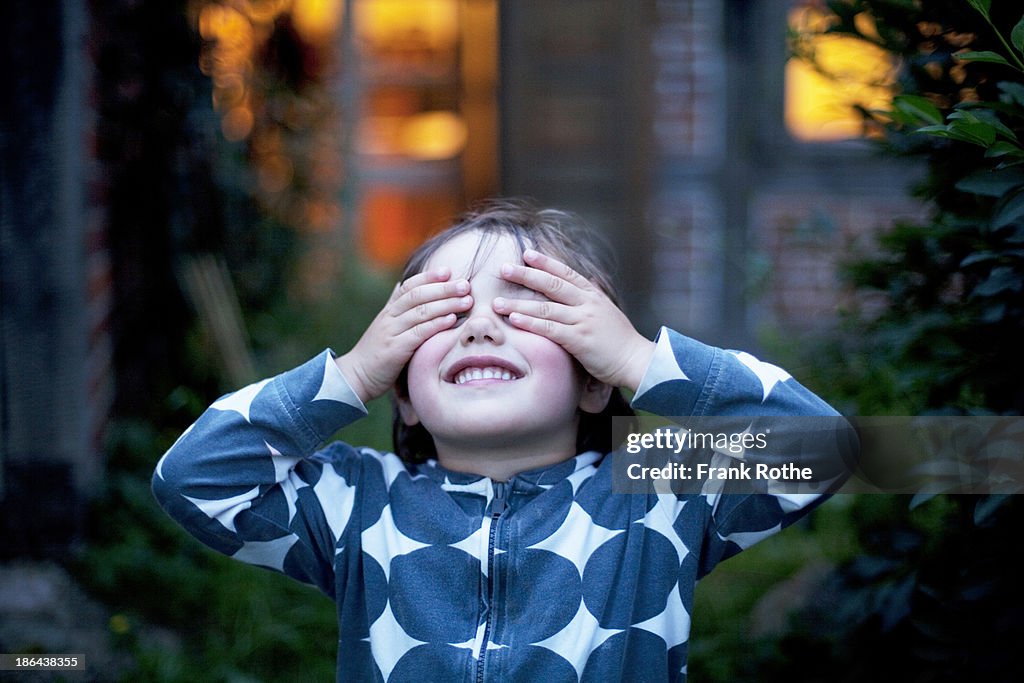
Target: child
494,547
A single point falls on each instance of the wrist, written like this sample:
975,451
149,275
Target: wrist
349,368
638,360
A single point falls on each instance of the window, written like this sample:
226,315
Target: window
829,75
425,141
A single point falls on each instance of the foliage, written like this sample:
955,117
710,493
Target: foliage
176,188
951,285
749,598
933,595
233,621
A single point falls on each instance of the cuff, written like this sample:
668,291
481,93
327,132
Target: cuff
675,376
321,396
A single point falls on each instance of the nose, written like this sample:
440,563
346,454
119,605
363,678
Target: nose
482,326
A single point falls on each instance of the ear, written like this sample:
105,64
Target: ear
405,410
595,395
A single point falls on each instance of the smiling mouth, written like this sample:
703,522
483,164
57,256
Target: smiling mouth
482,369
489,372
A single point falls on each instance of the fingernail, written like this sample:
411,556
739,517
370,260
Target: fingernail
506,269
461,287
466,300
530,254
499,303
442,271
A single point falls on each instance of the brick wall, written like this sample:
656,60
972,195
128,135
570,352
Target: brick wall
748,226
687,214
801,241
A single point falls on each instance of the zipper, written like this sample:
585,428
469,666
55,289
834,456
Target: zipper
498,505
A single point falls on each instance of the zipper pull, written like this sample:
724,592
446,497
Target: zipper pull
498,503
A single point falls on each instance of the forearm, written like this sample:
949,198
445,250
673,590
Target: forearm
713,392
248,442
746,413
687,377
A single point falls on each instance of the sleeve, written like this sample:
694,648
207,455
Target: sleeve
687,380
246,480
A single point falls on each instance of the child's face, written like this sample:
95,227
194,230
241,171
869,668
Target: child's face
485,383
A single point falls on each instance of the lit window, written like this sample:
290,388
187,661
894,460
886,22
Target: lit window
424,140
425,129
397,220
831,76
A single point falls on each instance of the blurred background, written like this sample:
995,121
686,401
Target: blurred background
195,194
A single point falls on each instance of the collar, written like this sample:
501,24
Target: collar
527,484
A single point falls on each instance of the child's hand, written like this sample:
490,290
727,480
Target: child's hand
418,308
579,317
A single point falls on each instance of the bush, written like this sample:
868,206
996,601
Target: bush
932,597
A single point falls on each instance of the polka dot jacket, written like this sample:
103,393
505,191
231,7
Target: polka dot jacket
444,576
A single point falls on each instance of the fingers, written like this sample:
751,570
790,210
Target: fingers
439,274
567,295
558,332
429,310
428,328
548,276
421,293
424,305
552,265
418,308
548,310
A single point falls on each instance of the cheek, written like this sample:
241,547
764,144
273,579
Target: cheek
550,360
424,364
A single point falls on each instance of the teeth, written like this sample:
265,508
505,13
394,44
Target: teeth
470,374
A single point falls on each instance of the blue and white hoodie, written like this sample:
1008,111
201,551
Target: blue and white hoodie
445,576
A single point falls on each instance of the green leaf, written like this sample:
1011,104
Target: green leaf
898,116
976,114
933,130
982,6
986,507
1003,148
1015,91
982,56
1004,106
948,132
963,115
1011,211
982,256
999,280
1017,35
1017,236
993,314
981,130
992,183
920,499
979,257
973,131
920,108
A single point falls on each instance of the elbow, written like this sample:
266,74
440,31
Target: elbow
163,488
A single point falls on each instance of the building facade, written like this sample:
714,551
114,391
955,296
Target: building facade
663,122
729,224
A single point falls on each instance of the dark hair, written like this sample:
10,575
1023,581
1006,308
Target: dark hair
560,234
